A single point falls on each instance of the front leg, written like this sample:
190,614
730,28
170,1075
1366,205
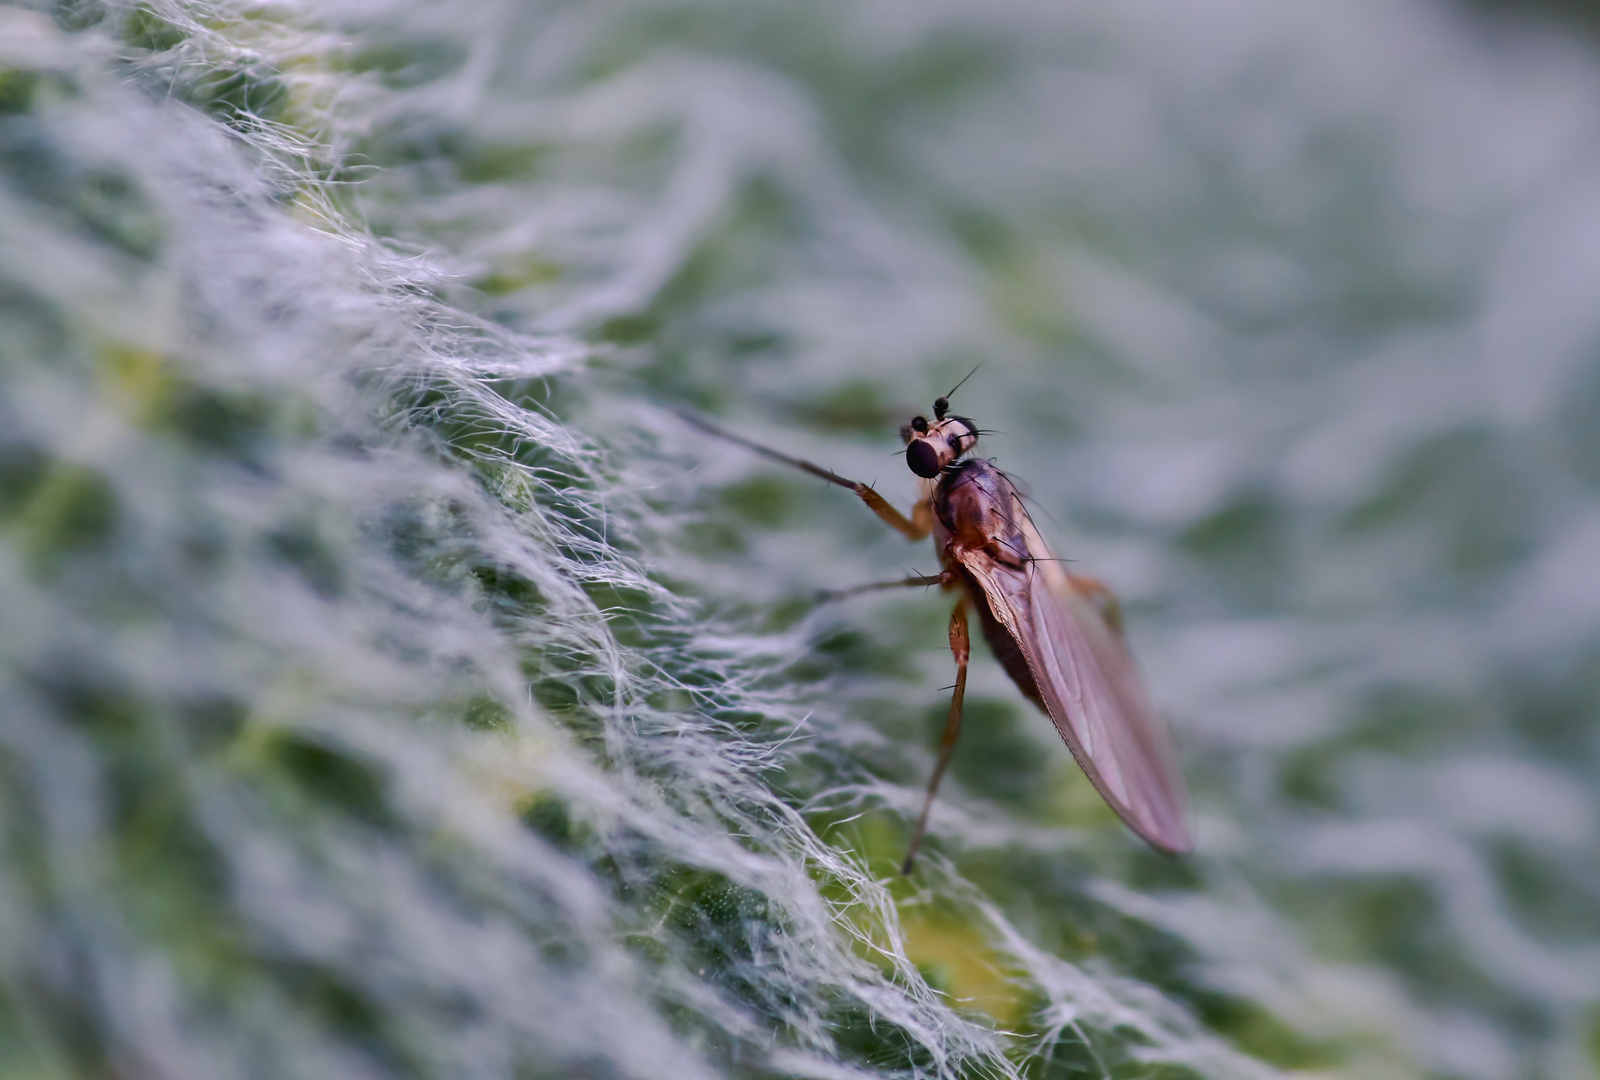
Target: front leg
917,526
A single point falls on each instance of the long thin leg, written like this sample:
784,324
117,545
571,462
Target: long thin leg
1104,600
943,578
917,526
961,648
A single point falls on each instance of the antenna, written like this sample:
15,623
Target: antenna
963,381
942,405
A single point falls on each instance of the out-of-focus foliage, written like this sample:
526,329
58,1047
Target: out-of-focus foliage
1582,15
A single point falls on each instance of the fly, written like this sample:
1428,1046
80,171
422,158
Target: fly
1057,634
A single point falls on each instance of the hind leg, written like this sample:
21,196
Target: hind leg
961,649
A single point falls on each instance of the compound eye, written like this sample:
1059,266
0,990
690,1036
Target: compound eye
922,459
960,429
920,425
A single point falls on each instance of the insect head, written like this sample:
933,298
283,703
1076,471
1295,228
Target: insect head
932,446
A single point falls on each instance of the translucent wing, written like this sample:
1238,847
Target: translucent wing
1090,688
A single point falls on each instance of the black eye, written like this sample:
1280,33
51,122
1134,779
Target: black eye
919,425
922,459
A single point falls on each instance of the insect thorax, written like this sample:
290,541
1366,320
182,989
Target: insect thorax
977,505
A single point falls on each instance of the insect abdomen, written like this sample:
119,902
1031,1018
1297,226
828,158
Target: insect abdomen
1005,648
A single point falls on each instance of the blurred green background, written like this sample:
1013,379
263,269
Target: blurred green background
391,684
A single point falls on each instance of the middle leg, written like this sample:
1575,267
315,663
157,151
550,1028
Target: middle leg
942,578
961,649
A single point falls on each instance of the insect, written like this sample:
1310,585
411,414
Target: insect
1057,634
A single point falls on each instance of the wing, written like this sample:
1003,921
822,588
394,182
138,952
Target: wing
1090,688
